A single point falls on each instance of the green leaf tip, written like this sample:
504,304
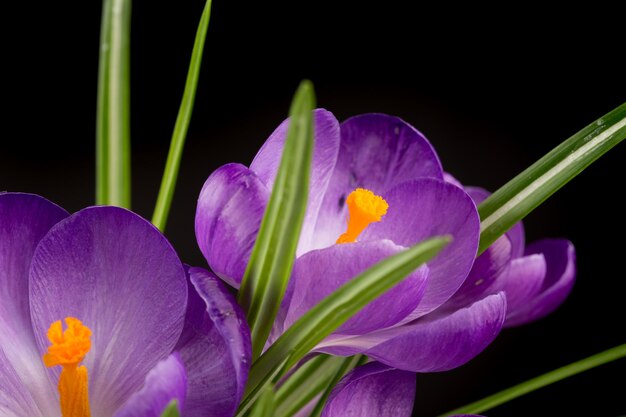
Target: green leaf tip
268,271
175,154
171,410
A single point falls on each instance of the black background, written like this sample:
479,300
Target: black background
493,89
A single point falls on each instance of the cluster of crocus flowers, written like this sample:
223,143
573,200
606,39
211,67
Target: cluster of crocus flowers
382,178
99,317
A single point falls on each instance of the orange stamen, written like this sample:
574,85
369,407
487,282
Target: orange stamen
68,349
364,207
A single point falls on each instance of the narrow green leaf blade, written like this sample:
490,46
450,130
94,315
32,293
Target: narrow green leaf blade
305,383
269,268
273,377
171,410
531,385
102,131
265,406
529,189
172,166
334,310
345,367
113,112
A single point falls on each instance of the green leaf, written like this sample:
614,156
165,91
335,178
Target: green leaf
172,166
265,406
345,367
269,268
113,113
529,189
333,311
171,410
305,383
541,381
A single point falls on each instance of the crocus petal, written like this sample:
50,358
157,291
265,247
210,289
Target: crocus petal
117,273
166,382
377,152
447,177
438,342
522,282
228,216
24,220
372,390
445,341
267,161
426,208
16,400
484,278
560,258
215,347
320,272
516,234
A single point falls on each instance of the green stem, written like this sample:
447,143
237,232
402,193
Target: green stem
113,113
172,166
541,381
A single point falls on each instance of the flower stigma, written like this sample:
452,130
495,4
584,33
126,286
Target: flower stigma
68,349
364,207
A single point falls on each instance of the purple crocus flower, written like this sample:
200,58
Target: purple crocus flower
439,317
142,330
535,280
391,159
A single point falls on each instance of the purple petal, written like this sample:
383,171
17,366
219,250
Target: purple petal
267,161
372,390
437,342
560,259
229,213
444,342
478,194
117,273
377,152
320,272
485,277
447,177
24,220
215,347
166,382
426,208
15,398
522,282
516,234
